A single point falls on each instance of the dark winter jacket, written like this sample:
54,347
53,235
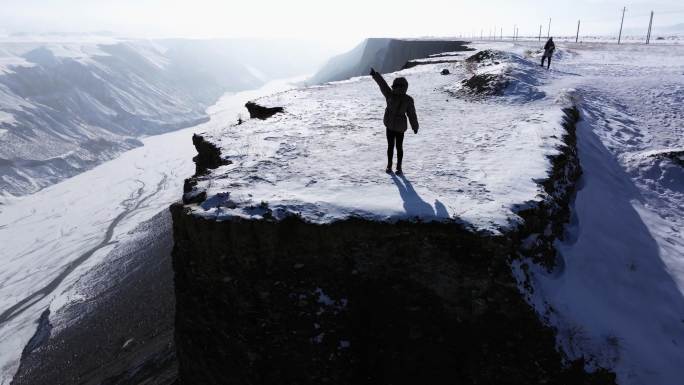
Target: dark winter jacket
399,105
549,47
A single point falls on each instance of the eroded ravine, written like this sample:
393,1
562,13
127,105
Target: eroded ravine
131,205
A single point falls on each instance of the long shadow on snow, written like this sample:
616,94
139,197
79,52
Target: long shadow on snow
606,225
414,205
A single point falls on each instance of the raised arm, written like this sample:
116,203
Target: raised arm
413,118
384,87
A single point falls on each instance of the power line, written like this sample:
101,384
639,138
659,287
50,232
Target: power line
621,23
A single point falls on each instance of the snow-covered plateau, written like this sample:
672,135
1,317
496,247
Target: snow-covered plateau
616,293
473,159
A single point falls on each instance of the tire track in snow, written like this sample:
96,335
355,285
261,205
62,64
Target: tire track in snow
30,300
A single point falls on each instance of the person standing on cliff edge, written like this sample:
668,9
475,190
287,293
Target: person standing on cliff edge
399,106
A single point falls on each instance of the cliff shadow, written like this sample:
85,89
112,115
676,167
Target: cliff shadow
613,272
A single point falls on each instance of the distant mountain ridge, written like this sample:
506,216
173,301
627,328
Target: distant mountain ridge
66,107
384,54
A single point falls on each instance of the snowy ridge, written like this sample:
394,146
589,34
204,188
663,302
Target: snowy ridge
616,296
323,158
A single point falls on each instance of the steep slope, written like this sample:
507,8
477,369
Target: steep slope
617,297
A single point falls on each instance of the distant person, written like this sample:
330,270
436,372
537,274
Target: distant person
399,106
549,47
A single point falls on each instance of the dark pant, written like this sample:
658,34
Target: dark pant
395,138
546,57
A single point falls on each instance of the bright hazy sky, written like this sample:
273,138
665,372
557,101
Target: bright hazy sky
345,21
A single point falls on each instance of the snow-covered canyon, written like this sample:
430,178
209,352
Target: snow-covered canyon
68,105
52,238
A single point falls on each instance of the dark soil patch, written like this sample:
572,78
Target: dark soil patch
486,84
261,112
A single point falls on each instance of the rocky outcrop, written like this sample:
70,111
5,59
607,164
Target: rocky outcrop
485,55
261,112
362,301
486,84
497,73
208,156
415,63
676,156
544,222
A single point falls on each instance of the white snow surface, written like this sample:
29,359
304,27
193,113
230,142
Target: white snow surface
617,296
324,158
44,233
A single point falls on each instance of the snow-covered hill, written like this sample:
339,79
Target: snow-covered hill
66,106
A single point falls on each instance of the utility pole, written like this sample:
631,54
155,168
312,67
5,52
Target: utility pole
540,27
577,36
621,22
517,33
548,31
515,27
650,24
501,33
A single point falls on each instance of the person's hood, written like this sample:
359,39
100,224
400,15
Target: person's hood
400,86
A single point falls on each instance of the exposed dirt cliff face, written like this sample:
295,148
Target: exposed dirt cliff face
544,222
352,302
360,301
208,156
